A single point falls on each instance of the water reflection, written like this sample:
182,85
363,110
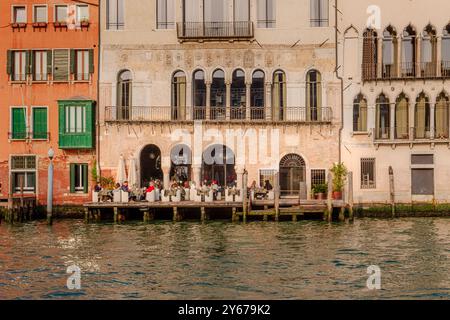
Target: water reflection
303,260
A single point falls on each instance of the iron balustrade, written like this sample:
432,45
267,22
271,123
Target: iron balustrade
215,30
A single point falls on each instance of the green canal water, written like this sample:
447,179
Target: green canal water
220,260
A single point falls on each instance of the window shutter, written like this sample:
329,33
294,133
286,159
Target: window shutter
61,65
72,61
18,123
72,178
31,62
91,61
49,61
85,178
9,64
40,123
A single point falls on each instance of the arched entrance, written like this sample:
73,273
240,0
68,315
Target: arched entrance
180,157
150,164
292,174
218,164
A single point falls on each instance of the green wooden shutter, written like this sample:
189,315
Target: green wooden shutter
9,64
49,61
72,177
91,61
18,123
72,61
85,178
40,123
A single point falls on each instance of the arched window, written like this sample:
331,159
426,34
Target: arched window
360,114
218,95
446,52
422,117
279,95
199,95
124,97
441,114
409,52
428,55
390,53
178,96
383,118
401,117
370,54
238,95
313,96
257,97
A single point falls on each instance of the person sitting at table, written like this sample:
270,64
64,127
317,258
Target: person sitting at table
125,187
97,187
268,186
150,188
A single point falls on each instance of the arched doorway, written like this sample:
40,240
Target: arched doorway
180,157
150,164
218,164
292,174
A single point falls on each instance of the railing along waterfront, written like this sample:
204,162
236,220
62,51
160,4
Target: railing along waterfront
221,114
215,30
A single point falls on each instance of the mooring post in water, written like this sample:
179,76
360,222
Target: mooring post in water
330,197
86,215
392,190
350,195
116,214
50,154
277,196
175,214
244,196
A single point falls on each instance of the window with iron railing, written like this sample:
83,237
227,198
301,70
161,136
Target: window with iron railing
368,173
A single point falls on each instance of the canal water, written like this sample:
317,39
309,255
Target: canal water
221,260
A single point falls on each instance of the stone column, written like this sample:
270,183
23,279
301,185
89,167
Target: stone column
248,103
268,100
196,175
239,181
166,172
208,100
432,114
189,109
379,57
439,57
228,100
399,57
418,62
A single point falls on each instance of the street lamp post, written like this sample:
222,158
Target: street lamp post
50,154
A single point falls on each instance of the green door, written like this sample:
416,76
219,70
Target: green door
18,123
40,123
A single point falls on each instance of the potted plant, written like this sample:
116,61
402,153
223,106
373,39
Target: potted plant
84,22
339,172
320,191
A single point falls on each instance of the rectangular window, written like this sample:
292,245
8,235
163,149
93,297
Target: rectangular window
82,65
266,13
40,65
241,10
319,13
318,176
61,13
40,124
19,66
422,182
75,121
23,172
78,178
166,14
82,13
115,15
265,175
40,14
18,123
368,173
61,65
19,14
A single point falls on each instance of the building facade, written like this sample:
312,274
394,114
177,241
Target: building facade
395,61
203,89
48,96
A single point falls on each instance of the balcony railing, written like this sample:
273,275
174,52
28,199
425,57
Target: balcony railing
408,69
168,113
428,70
445,69
215,30
369,71
412,134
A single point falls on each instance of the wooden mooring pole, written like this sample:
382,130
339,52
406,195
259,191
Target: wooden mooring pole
392,190
350,196
329,198
277,196
244,196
